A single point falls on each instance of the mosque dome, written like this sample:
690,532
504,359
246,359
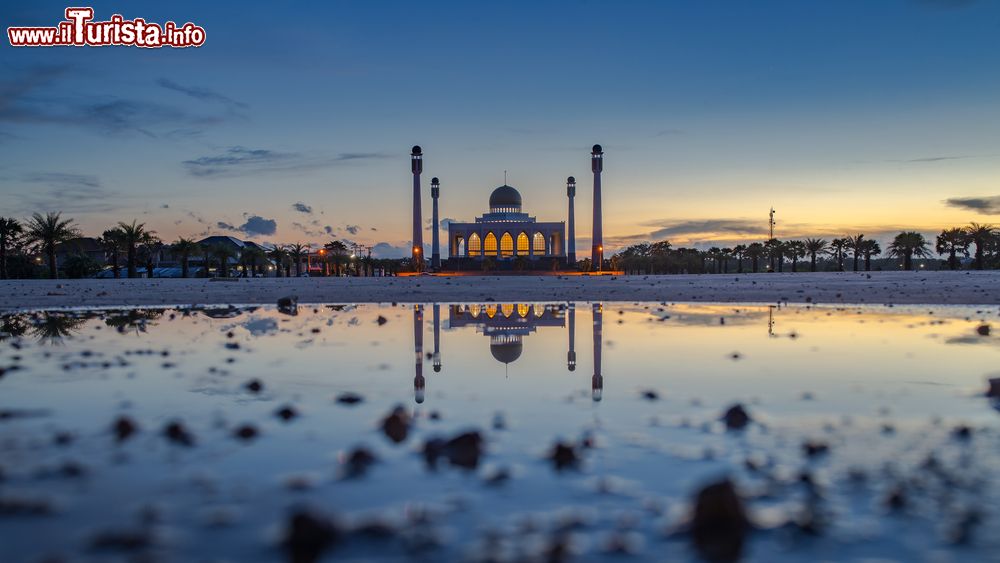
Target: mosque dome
505,196
507,352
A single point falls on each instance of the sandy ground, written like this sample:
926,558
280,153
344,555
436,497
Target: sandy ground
943,288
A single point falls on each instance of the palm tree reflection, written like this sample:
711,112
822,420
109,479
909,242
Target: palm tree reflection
133,320
51,327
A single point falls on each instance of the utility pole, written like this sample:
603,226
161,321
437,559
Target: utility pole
771,223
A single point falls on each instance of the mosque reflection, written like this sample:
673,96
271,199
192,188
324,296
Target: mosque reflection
506,325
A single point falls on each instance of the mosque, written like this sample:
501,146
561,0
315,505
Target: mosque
505,234
506,325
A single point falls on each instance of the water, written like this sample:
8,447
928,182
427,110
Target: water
637,390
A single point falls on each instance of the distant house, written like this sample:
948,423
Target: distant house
235,244
87,246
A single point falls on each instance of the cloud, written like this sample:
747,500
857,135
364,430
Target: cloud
937,158
386,250
257,225
33,96
987,205
302,208
328,230
63,180
202,94
237,161
66,192
682,228
353,229
254,226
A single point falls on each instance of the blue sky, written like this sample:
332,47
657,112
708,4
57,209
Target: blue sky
847,116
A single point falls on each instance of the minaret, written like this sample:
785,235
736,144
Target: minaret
571,237
435,243
418,348
437,338
597,251
571,355
597,384
417,246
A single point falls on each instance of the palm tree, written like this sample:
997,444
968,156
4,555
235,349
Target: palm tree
133,237
278,255
754,252
298,251
837,247
184,247
49,231
739,251
815,246
906,245
952,242
982,236
870,247
10,232
206,258
113,240
773,248
149,243
223,253
727,253
715,255
795,249
337,251
854,244
253,256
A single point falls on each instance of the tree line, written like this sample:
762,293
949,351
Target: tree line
981,241
30,249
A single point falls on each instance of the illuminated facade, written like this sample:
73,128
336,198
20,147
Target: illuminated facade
505,233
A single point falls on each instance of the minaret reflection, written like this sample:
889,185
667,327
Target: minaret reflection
597,384
418,348
571,355
437,338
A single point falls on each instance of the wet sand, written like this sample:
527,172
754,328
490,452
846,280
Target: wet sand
931,288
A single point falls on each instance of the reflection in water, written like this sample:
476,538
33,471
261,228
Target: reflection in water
418,348
571,354
437,338
893,408
597,385
506,324
51,328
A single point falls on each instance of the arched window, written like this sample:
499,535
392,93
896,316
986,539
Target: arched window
523,308
522,243
459,246
475,248
506,245
539,243
539,310
490,244
491,311
474,310
507,309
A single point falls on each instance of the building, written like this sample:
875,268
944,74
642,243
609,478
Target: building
506,234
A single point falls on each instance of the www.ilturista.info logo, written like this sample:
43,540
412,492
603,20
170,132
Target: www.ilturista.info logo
79,30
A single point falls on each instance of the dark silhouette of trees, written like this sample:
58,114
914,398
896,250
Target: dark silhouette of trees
953,242
906,245
982,236
815,246
10,234
48,231
184,247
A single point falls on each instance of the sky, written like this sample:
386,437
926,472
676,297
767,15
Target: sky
294,121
